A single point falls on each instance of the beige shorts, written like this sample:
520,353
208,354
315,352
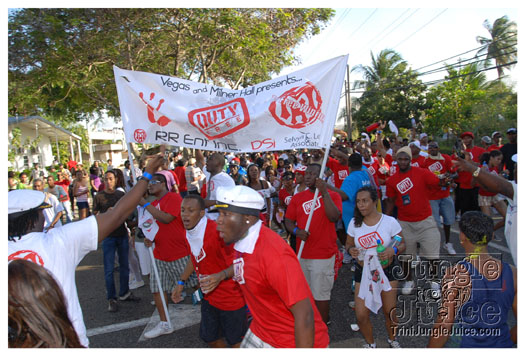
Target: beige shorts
426,233
489,200
320,276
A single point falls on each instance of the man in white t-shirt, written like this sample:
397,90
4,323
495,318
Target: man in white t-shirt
215,178
52,214
61,249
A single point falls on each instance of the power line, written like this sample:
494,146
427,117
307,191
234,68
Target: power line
364,22
426,24
392,30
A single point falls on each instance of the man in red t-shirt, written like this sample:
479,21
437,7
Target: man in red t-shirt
440,199
180,174
418,158
339,165
408,190
318,256
171,251
270,277
497,140
466,194
223,309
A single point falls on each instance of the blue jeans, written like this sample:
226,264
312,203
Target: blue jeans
121,246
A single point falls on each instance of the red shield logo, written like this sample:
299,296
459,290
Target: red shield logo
139,135
220,120
298,107
27,255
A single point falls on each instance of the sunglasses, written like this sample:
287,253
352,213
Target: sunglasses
153,182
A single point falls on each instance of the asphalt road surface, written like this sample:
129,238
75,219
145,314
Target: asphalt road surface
125,328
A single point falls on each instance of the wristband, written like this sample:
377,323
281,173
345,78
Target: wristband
180,283
295,231
145,205
396,250
147,175
225,274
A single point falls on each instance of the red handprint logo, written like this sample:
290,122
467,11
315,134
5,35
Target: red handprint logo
162,120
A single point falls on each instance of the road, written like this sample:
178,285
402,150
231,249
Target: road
125,328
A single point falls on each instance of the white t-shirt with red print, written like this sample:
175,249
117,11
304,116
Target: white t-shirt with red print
365,237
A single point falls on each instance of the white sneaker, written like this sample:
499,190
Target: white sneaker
394,344
162,328
135,284
449,248
408,287
369,346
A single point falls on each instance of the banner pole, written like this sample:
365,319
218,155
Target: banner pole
323,165
164,304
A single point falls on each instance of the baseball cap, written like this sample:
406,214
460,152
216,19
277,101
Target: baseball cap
512,130
239,199
301,170
406,150
422,135
495,133
467,133
486,139
24,200
415,143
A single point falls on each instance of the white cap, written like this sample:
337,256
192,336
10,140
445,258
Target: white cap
22,200
422,135
240,199
415,143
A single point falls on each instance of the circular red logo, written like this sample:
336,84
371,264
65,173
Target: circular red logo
139,135
27,255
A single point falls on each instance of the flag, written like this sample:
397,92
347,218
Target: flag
294,111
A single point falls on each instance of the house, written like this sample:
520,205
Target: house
41,134
108,144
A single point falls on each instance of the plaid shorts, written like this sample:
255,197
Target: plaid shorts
252,341
484,200
169,274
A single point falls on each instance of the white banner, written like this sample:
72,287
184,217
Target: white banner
294,111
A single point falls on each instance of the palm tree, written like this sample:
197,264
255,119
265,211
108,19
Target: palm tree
386,66
501,46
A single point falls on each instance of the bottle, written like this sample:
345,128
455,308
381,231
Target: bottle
396,240
380,248
372,127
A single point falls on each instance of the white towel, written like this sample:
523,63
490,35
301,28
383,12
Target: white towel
373,282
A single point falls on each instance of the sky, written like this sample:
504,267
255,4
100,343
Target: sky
421,35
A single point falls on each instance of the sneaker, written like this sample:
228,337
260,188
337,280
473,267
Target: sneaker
112,305
408,287
449,248
129,297
436,290
162,328
135,284
369,346
394,344
346,257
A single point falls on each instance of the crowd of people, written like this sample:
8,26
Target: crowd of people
237,228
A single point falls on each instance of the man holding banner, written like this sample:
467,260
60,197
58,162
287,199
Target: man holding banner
320,246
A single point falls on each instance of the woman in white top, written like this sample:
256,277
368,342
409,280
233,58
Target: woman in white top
368,226
262,187
80,191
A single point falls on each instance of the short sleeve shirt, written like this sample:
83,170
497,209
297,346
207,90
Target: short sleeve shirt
437,167
340,171
272,281
170,241
366,237
60,251
322,241
410,192
351,185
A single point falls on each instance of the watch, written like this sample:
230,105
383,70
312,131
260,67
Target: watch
476,172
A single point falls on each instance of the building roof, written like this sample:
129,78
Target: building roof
44,127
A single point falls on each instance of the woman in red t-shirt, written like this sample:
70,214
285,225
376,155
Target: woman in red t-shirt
490,162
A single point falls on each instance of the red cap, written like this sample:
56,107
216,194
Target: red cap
301,170
467,133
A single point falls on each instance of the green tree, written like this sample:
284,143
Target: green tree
61,60
501,46
392,92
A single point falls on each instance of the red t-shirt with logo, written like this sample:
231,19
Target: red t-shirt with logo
441,166
215,256
170,241
340,171
180,176
285,196
418,162
272,281
373,169
321,243
410,192
494,147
